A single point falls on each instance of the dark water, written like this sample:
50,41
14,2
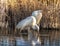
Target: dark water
44,38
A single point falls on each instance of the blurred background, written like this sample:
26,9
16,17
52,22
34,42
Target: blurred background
11,12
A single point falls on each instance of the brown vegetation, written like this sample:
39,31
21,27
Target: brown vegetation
51,10
19,9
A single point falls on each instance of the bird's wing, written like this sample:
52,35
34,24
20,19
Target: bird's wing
26,22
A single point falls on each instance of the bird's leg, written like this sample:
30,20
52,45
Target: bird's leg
29,34
28,30
37,28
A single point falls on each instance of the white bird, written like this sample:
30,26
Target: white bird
31,21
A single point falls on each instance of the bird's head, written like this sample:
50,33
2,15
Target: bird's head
38,15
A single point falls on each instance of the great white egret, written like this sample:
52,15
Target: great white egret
31,21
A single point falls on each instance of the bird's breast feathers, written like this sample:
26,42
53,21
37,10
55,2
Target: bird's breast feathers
33,20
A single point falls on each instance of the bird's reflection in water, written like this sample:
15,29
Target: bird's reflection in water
22,41
36,41
30,40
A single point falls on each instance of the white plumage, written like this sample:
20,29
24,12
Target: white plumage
30,21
